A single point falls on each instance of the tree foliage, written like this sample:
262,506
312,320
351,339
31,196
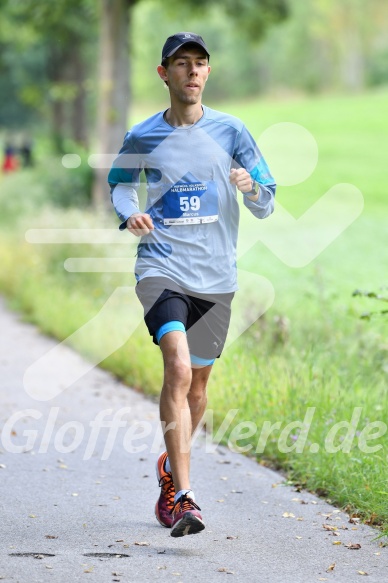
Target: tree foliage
44,52
326,45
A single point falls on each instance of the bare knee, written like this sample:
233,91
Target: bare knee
197,399
177,376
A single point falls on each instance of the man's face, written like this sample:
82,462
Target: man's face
186,74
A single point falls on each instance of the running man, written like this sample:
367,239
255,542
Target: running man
194,158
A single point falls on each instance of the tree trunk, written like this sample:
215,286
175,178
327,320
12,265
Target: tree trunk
113,97
56,74
58,125
78,106
353,65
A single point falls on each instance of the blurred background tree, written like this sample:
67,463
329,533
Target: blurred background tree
44,57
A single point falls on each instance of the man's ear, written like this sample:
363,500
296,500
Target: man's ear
162,72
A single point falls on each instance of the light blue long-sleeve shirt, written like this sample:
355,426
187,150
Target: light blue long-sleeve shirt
190,199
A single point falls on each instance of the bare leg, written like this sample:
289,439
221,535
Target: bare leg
174,406
182,403
197,397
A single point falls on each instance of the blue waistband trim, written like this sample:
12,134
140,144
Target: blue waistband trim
201,361
173,326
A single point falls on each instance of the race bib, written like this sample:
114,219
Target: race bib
191,203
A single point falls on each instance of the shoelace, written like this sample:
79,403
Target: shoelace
167,485
185,503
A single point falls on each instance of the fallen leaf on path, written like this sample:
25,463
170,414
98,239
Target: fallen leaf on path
372,518
354,520
337,542
329,527
142,544
231,537
362,573
354,546
50,536
288,515
225,570
330,568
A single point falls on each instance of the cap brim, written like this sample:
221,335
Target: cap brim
189,42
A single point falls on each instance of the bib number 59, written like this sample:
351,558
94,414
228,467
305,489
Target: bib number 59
191,203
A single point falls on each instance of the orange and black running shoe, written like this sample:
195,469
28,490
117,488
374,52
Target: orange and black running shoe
165,504
186,518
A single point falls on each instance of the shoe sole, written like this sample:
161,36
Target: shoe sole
188,524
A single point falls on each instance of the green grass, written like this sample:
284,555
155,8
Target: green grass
310,349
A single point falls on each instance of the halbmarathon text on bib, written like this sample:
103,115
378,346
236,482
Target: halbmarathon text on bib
191,203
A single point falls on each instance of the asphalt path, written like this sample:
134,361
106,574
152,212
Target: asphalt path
77,497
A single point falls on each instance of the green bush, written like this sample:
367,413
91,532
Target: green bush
66,187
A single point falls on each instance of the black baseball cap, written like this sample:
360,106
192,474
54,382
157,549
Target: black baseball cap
176,41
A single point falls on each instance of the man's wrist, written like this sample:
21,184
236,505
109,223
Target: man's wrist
254,194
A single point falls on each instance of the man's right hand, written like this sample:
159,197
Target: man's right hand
140,224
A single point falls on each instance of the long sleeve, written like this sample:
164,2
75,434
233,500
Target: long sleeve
248,156
124,181
125,202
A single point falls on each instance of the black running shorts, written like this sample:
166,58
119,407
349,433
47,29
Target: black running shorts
205,317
